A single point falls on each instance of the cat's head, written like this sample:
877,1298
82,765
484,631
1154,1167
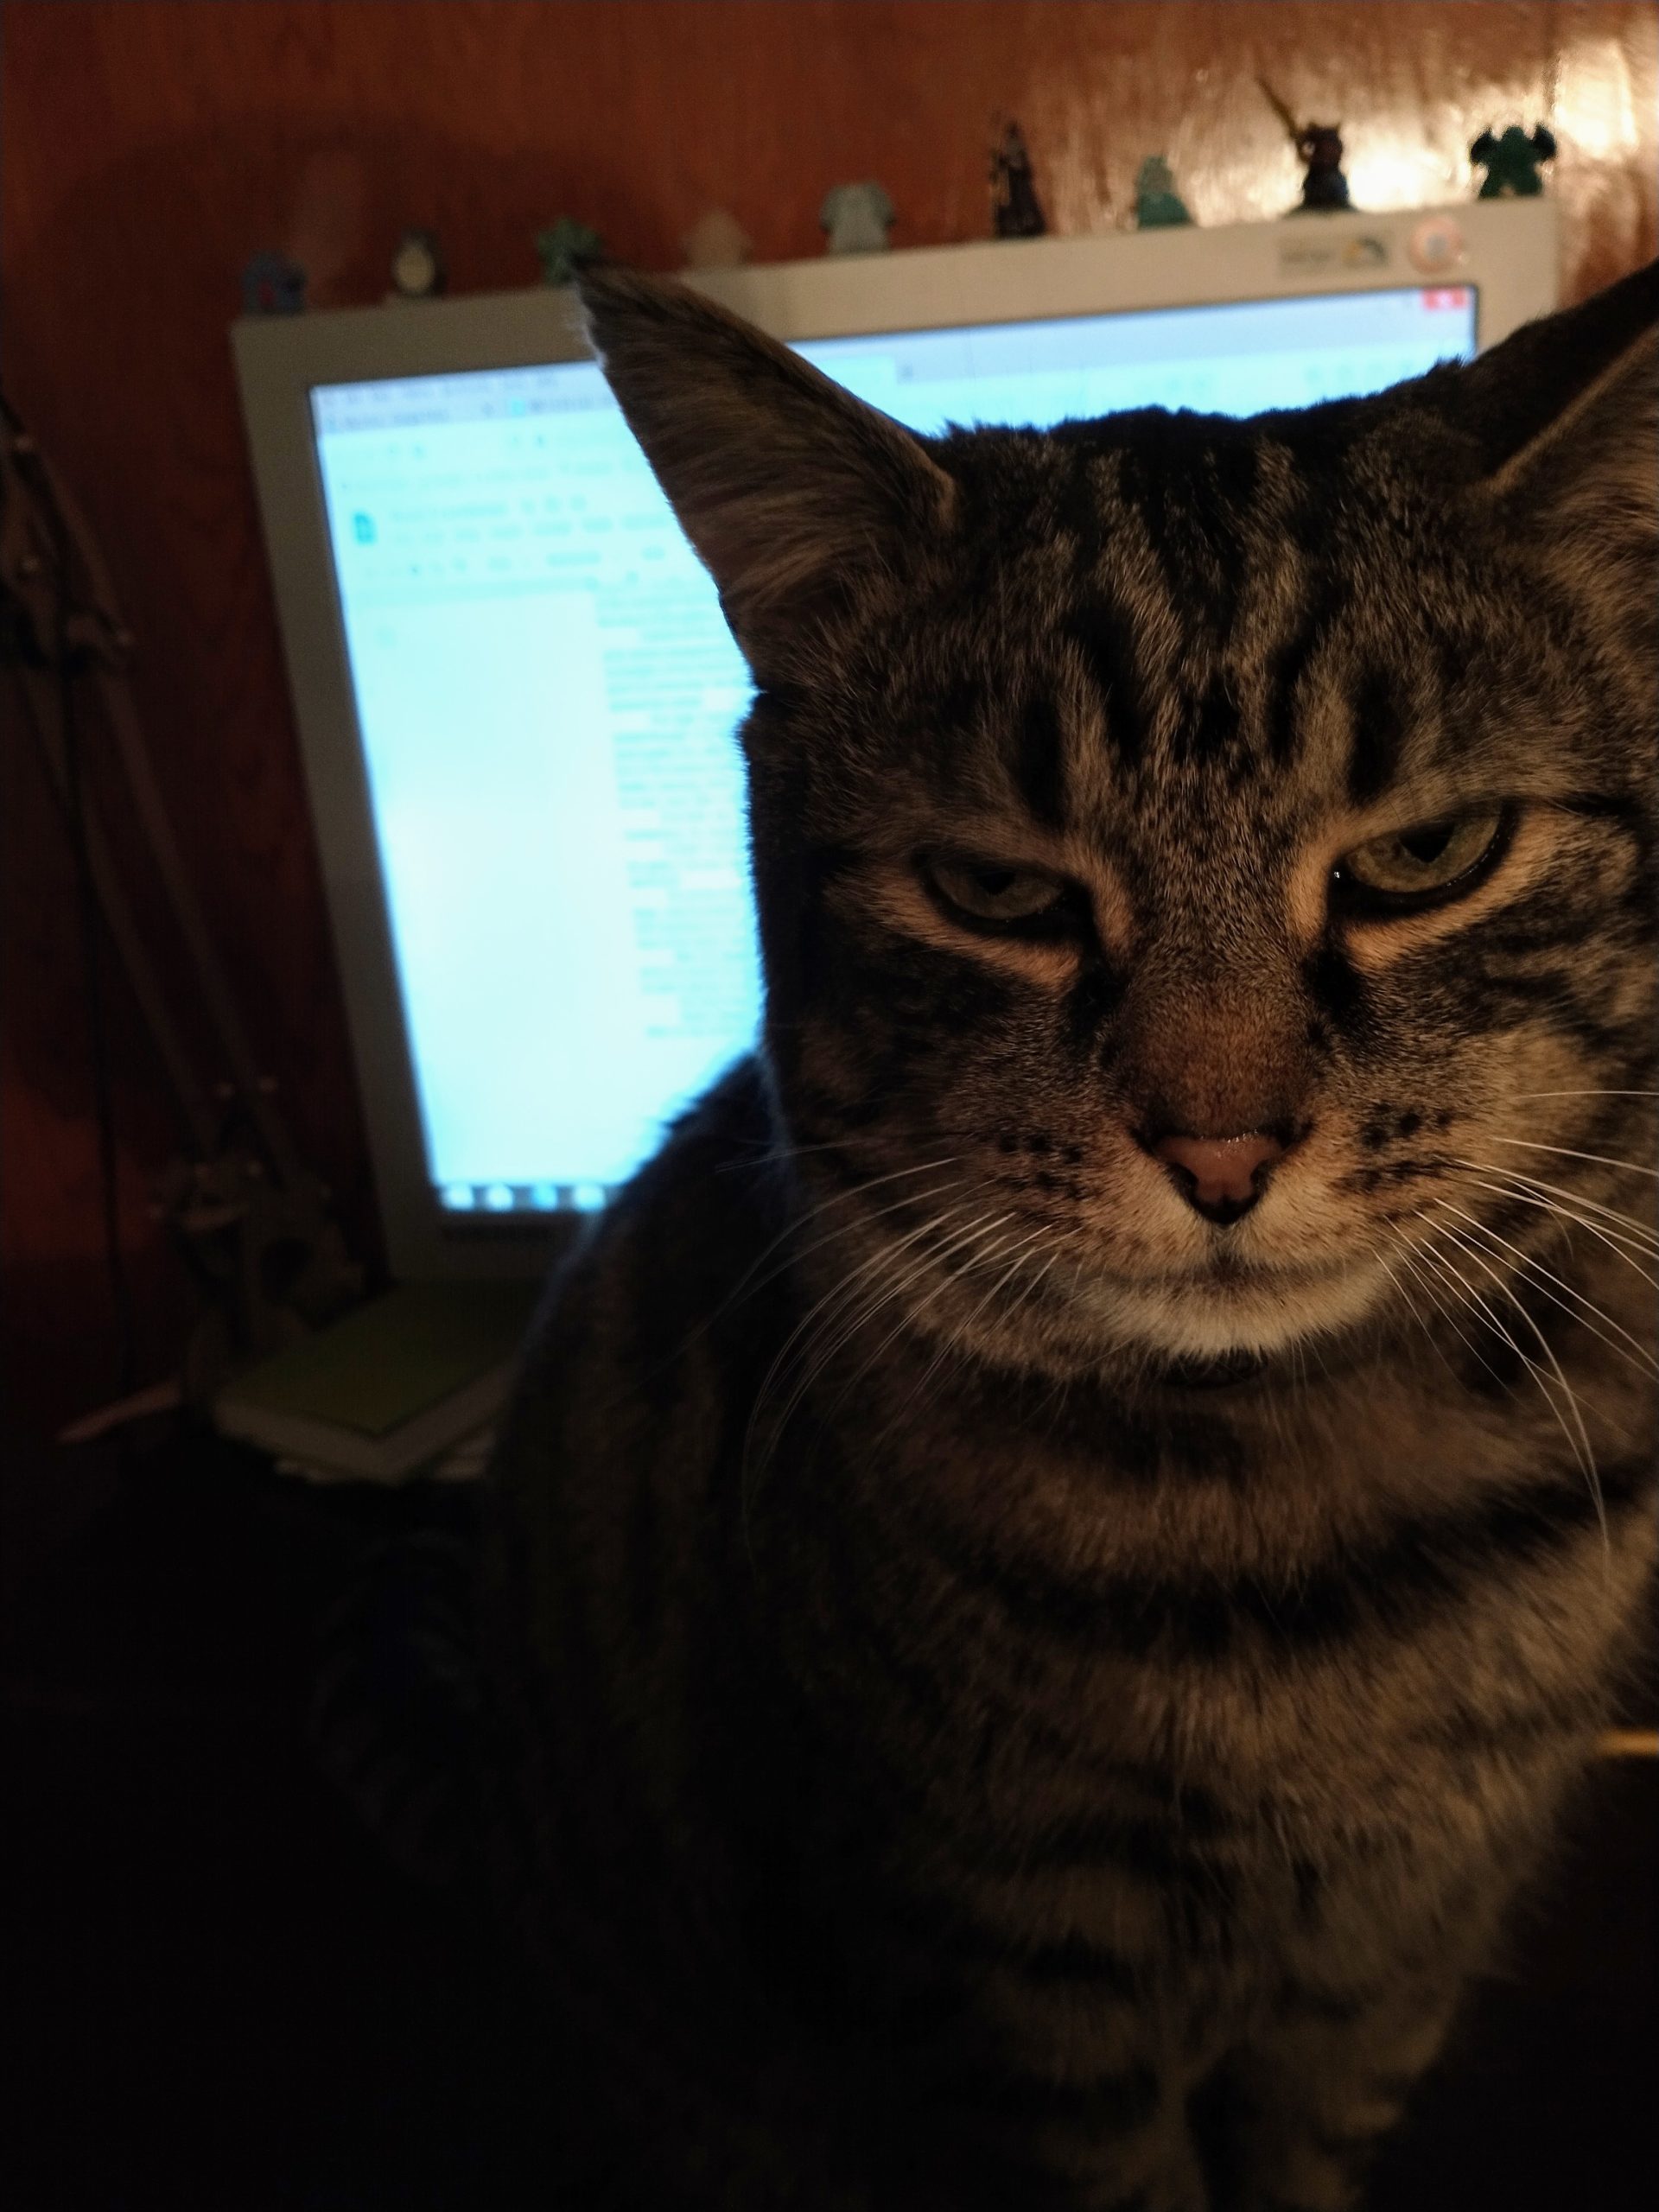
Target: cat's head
1205,868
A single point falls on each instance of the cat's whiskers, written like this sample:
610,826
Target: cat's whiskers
1625,1226
1028,1296
1542,1276
862,1220
1428,1252
1417,1257
845,1289
1576,1433
1584,1213
959,1339
951,1341
751,1281
1409,1304
913,1276
777,1151
816,1211
1566,1151
825,1343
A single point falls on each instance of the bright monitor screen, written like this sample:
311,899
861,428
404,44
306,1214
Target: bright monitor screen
547,697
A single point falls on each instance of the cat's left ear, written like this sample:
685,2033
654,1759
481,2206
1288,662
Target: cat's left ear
801,501
1570,415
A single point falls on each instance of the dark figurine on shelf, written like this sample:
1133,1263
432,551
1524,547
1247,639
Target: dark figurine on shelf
1158,205
1016,211
273,284
1324,188
565,248
1513,162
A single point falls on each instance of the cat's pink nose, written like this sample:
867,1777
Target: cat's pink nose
1222,1176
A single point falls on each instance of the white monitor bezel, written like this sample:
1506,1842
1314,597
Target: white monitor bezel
1506,249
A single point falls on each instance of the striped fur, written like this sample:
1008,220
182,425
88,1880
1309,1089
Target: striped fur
1014,1692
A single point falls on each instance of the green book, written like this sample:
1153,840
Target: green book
391,1386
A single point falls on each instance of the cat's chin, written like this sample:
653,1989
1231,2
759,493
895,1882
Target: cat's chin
1205,1327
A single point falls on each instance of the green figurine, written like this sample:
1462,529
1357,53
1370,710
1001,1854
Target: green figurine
566,248
1512,163
1158,205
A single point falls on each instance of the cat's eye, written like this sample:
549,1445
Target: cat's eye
1424,866
990,895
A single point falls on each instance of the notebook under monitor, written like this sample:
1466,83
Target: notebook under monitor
518,696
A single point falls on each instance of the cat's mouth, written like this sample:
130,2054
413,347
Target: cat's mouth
1227,1272
1218,1322
1246,1274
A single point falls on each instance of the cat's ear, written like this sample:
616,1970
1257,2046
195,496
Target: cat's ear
800,500
1567,412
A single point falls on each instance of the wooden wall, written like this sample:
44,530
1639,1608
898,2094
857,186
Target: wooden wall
149,146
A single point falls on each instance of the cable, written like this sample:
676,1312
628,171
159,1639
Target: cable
92,985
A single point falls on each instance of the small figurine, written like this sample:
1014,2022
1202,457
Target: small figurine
418,269
855,218
1324,188
1512,163
716,240
1158,205
565,248
272,284
1016,211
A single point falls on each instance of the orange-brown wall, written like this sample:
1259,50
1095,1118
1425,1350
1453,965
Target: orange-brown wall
147,147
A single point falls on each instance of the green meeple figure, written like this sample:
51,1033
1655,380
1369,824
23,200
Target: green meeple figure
1512,163
1158,205
565,248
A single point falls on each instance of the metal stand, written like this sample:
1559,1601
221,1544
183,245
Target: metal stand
251,1218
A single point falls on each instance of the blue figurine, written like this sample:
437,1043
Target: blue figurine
855,218
272,284
1512,163
1158,205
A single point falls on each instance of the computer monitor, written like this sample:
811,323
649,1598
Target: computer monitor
516,695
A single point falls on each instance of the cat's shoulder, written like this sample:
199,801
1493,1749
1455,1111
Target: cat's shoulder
697,1207
670,1267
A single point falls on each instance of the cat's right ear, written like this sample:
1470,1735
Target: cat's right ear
802,502
1567,412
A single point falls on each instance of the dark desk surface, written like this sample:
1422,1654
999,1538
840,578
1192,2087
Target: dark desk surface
214,1992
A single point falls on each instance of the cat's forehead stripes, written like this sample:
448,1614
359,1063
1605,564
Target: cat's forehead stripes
1039,760
1206,619
1128,630
1188,617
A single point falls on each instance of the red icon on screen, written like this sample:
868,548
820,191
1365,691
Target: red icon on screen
1446,295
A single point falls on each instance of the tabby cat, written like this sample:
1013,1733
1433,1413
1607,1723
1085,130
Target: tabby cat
1059,1549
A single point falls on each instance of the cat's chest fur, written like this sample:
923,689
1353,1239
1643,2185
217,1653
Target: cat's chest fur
1330,1622
1227,1682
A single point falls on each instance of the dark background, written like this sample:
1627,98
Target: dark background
216,1995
